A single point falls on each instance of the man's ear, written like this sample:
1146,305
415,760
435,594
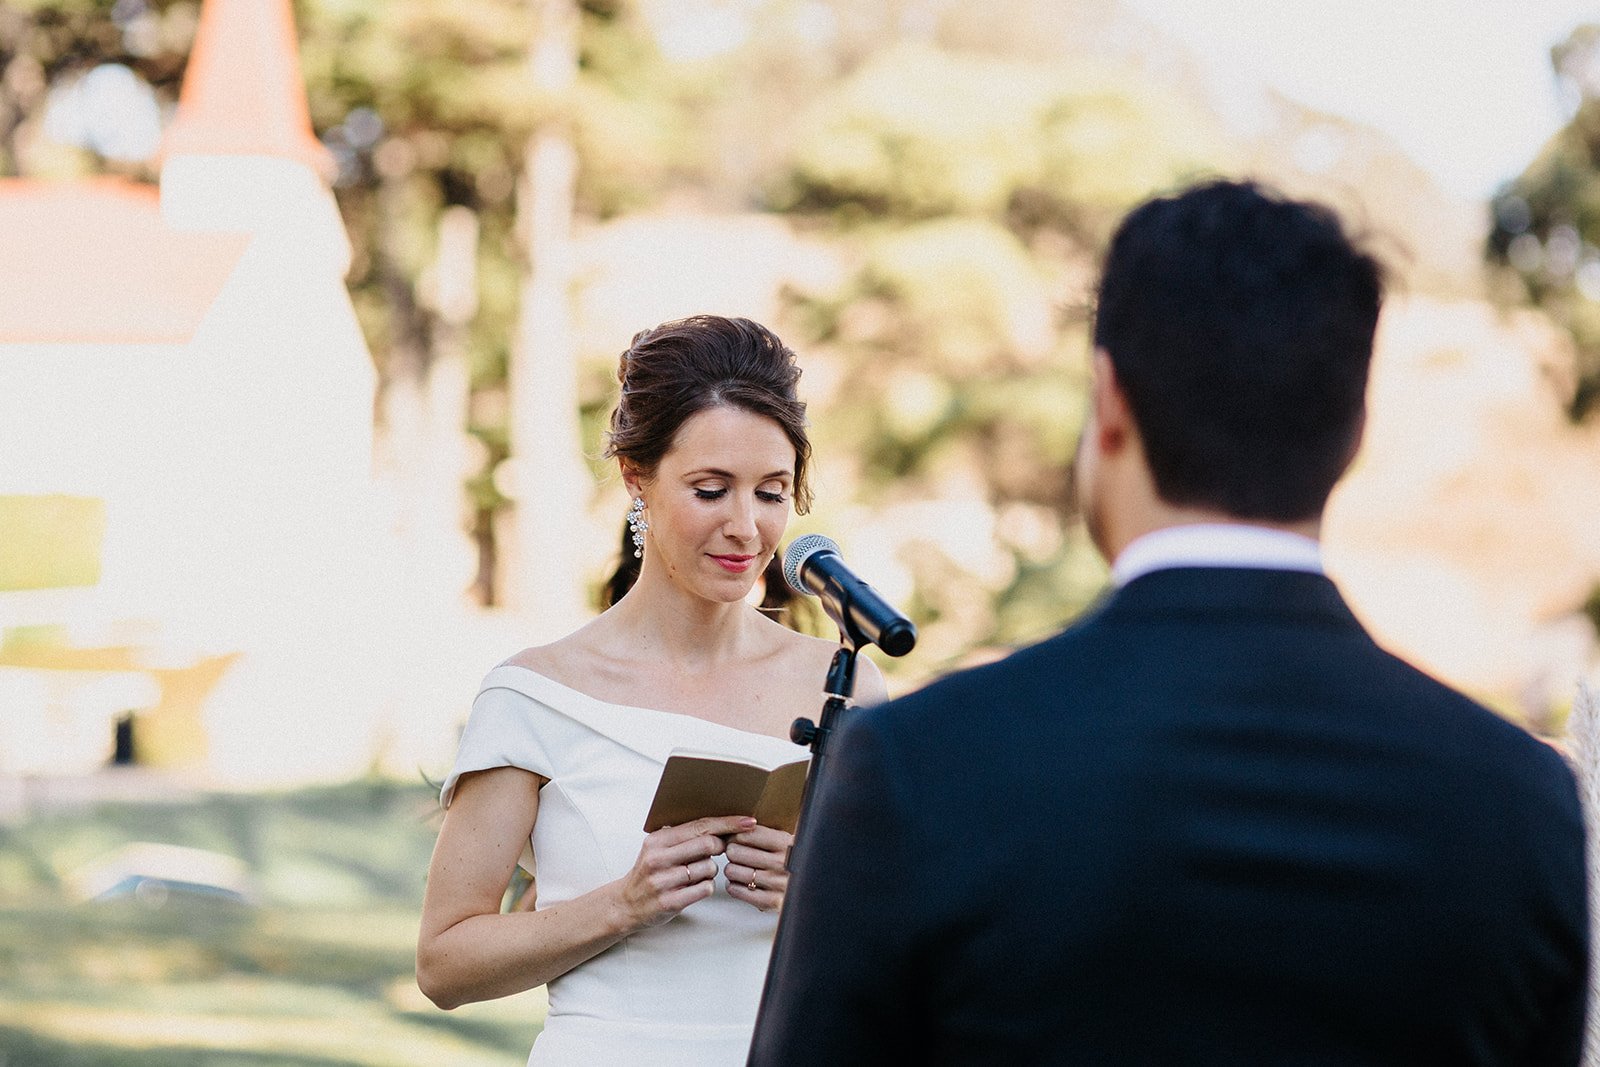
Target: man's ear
1113,418
1357,433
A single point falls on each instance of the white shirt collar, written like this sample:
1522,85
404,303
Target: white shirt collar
1216,545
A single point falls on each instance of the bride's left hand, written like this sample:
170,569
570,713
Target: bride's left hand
757,857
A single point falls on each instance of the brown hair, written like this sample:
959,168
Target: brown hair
680,368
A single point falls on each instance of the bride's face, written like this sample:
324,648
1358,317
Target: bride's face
719,502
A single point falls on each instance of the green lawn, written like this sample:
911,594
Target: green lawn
317,973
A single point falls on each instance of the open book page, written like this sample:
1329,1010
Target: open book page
695,785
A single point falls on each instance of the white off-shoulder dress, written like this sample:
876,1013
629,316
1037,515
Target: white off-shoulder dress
684,992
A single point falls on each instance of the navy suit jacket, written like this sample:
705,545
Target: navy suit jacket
1211,823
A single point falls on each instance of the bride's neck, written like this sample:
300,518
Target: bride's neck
689,631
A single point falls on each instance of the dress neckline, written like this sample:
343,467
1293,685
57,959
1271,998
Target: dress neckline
586,697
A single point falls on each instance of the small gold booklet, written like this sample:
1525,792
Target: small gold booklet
697,784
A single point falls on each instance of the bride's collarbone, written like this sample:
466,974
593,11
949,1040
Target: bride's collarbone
757,705
763,695
721,698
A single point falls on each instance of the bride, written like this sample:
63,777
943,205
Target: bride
654,945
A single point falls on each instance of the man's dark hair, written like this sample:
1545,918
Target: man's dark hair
1240,326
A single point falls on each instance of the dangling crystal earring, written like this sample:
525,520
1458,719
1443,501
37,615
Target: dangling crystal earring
637,525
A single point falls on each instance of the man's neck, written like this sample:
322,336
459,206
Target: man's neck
1163,516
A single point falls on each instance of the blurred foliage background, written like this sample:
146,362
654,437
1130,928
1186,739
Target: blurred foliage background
956,167
963,166
1545,234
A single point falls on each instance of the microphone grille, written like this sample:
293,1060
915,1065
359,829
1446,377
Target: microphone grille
800,550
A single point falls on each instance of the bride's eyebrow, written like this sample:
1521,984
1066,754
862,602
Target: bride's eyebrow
717,472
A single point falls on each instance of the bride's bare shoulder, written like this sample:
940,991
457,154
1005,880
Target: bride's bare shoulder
568,660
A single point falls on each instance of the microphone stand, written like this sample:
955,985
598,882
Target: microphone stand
839,687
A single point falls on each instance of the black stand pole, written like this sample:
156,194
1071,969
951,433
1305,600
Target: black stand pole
840,686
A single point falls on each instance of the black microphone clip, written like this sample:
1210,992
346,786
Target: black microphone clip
814,567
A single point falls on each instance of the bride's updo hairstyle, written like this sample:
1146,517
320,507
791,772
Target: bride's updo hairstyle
680,368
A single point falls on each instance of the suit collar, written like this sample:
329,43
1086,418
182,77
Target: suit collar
1213,591
1217,545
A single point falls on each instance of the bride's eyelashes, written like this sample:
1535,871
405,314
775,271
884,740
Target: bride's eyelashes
769,496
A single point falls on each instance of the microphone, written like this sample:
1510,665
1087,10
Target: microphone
813,567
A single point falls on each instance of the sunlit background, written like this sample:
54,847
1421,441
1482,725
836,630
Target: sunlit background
309,318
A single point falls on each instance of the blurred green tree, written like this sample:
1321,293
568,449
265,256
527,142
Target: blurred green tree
919,131
974,190
48,46
1544,238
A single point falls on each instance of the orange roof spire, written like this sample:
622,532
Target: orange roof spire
243,93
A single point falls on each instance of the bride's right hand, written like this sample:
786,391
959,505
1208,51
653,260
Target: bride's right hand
676,867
